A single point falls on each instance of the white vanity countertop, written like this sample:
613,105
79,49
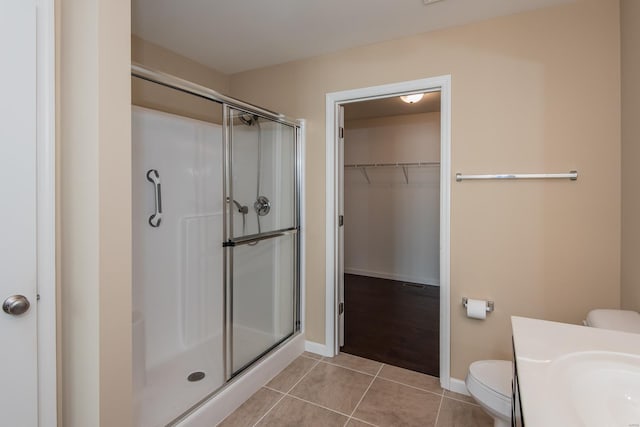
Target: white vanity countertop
566,379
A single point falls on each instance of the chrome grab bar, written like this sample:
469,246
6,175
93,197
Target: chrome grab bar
154,177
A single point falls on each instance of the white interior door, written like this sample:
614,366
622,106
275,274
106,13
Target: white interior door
18,370
340,225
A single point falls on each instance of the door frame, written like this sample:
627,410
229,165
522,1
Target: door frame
333,101
46,214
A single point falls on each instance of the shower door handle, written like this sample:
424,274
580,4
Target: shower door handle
154,177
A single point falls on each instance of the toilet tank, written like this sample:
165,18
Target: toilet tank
619,320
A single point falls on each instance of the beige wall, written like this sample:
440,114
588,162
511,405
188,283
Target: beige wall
165,60
94,205
630,31
151,95
535,92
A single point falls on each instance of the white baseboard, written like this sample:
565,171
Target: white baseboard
316,348
458,386
392,276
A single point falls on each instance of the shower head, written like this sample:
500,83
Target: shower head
248,119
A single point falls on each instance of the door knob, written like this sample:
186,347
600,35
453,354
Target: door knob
16,305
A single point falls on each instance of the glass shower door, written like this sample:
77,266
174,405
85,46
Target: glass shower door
261,236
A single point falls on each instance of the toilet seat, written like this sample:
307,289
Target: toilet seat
489,382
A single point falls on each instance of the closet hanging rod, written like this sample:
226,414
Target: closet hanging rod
572,175
391,165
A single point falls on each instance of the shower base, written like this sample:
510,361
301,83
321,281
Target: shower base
167,390
240,388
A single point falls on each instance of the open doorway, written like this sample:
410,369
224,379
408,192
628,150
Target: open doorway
375,222
391,231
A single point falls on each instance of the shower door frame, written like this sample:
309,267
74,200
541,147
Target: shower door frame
334,101
230,243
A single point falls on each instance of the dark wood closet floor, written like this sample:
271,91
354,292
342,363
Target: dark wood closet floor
392,322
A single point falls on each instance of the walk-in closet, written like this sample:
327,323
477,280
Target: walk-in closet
391,231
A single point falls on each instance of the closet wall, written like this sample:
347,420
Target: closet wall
391,226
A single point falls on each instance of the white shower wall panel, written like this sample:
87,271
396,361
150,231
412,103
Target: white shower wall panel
178,280
201,275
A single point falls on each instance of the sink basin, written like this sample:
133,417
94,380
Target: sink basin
597,388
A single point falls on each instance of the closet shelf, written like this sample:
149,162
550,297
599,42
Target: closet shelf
405,167
391,165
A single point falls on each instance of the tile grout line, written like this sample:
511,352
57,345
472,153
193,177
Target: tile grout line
270,409
285,394
273,389
308,401
350,417
435,424
363,421
461,401
364,394
293,396
389,379
302,377
412,386
312,358
351,369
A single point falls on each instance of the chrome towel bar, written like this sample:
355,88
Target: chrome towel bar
572,175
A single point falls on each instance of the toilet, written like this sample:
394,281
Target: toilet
619,320
489,383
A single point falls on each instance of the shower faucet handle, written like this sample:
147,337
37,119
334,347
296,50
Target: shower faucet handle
262,206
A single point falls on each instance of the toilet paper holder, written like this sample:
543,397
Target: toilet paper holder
490,304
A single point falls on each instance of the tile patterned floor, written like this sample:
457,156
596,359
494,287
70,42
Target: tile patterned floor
351,391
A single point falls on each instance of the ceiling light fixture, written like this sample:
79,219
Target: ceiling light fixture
413,98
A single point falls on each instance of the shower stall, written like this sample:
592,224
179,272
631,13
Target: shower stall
216,222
